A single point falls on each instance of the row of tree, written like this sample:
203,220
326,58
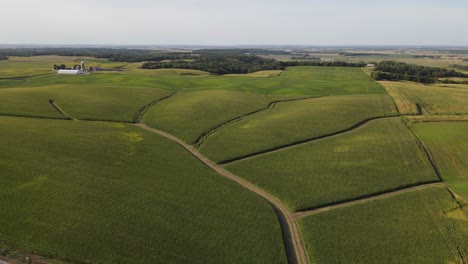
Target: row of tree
393,71
460,67
131,55
322,63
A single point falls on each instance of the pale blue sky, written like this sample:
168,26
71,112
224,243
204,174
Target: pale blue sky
254,22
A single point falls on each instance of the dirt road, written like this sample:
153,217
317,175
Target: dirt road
294,246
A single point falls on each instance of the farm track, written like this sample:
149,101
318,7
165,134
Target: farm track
205,135
292,238
376,197
60,110
306,141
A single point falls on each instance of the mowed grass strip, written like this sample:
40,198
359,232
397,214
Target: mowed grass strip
433,100
290,122
190,114
293,81
82,102
425,226
448,143
113,193
381,156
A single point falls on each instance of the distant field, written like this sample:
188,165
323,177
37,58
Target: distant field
424,226
381,156
433,100
190,114
444,62
290,122
82,102
113,193
26,66
448,142
294,81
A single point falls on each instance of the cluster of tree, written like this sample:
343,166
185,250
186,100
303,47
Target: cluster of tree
3,57
219,64
460,67
148,57
240,64
447,81
321,63
427,56
241,52
453,51
305,57
351,54
59,67
88,52
393,71
120,55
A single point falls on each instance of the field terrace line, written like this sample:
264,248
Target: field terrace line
376,197
60,110
305,141
205,135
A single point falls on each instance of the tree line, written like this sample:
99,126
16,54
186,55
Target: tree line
394,71
3,57
240,64
219,64
460,67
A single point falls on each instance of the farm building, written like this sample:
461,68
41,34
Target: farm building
370,65
69,72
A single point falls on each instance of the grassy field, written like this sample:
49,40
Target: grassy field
448,142
294,121
113,193
425,226
381,156
82,102
189,114
432,99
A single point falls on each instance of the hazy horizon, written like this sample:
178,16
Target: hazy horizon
241,23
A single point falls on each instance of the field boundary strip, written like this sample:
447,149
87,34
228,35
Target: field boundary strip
292,238
367,198
426,150
205,135
35,117
25,77
60,110
306,141
140,114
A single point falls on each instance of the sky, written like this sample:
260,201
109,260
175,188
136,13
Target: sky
235,22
